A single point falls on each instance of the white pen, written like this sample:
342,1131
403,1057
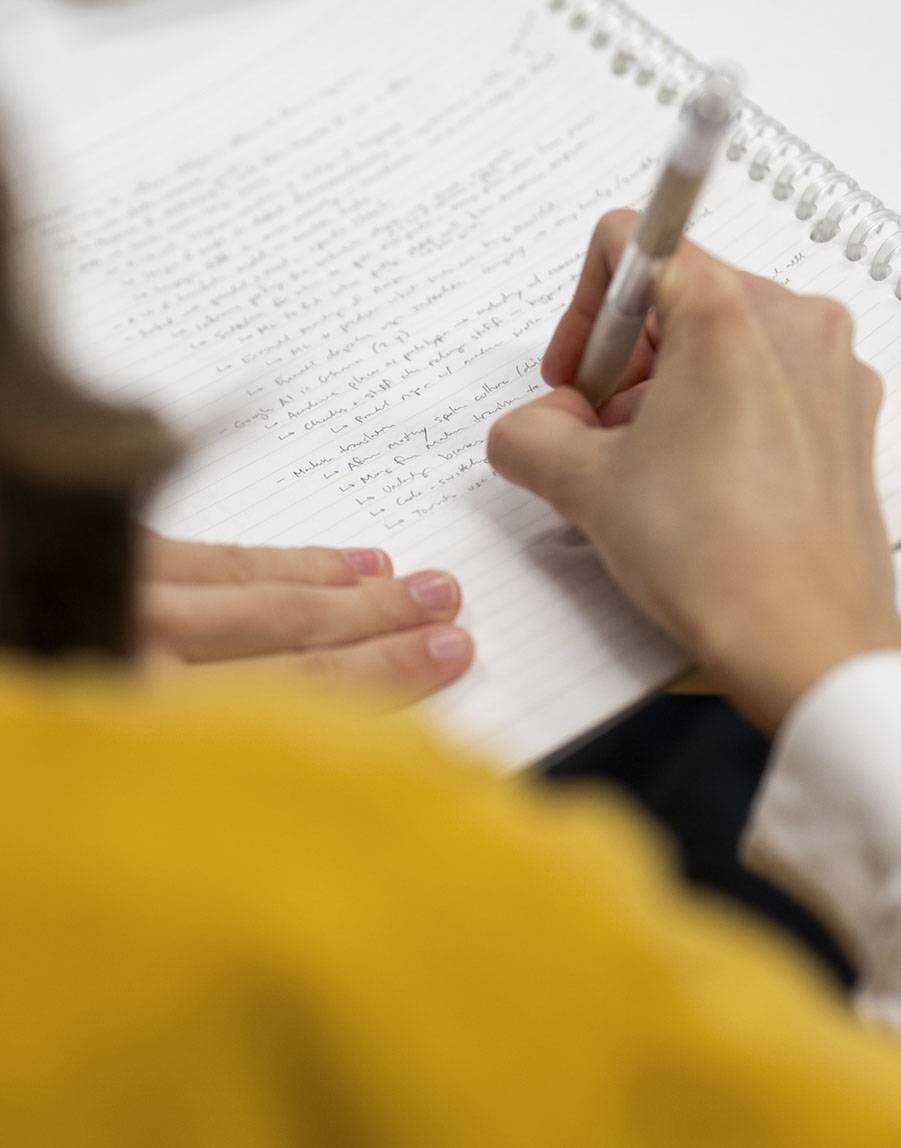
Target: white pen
622,315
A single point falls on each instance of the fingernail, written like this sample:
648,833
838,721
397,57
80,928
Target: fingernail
433,590
449,645
367,562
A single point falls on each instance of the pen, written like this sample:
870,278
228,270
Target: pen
621,318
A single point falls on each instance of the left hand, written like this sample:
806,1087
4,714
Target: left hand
339,614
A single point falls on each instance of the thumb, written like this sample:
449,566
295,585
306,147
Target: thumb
554,447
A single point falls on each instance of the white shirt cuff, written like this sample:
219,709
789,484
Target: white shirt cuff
826,825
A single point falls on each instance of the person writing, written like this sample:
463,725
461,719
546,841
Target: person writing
246,914
729,489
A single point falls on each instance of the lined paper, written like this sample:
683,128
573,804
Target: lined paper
340,255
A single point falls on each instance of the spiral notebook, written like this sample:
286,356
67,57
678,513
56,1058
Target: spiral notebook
344,247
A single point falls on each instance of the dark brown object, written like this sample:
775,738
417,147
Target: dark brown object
73,472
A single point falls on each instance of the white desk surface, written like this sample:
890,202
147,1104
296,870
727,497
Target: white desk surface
826,68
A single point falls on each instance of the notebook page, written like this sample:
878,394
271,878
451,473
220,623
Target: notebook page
348,264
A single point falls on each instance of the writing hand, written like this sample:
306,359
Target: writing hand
333,613
728,487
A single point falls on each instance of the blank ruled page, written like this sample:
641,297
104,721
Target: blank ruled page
340,255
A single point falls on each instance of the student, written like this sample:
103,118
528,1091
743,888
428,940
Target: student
250,914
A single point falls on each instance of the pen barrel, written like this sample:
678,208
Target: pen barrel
661,226
610,346
621,318
618,325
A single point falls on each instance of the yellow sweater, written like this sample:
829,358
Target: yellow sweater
241,918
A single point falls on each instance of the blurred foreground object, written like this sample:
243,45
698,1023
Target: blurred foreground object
73,471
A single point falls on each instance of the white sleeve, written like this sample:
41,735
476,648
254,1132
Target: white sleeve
826,825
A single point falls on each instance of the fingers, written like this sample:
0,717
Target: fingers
216,622
623,406
404,667
408,666
335,613
699,301
194,562
564,352
552,447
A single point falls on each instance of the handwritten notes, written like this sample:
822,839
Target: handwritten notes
361,306
340,267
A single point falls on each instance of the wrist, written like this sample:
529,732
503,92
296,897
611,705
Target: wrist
766,670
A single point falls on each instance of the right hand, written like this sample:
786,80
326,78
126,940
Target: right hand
729,487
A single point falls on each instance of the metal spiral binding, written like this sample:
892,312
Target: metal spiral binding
829,199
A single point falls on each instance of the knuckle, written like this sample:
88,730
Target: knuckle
237,562
319,564
705,291
405,658
767,292
289,615
831,319
614,225
873,388
715,294
324,664
388,605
